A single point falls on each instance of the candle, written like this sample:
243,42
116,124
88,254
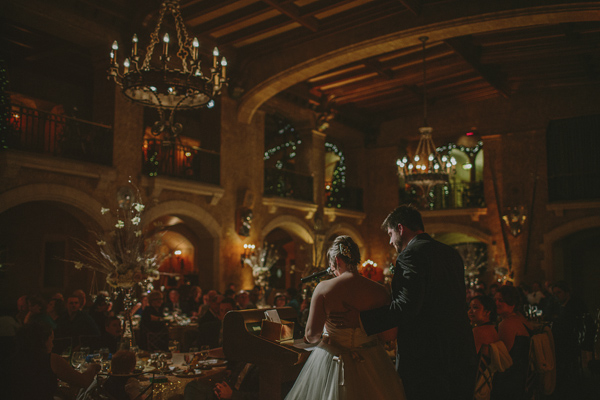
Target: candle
134,42
115,47
166,44
126,66
195,44
224,65
215,56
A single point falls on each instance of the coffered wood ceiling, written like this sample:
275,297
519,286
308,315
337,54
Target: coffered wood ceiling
297,48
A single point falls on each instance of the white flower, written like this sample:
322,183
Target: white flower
135,220
100,242
138,233
120,224
138,207
104,210
78,265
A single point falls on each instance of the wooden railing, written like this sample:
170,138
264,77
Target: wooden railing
290,184
38,131
169,158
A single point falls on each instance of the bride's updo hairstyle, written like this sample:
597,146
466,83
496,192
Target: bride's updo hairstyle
345,248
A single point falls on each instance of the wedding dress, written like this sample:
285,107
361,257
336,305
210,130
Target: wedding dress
352,366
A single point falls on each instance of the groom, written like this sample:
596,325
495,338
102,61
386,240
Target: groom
435,356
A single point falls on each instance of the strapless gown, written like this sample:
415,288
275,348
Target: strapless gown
353,366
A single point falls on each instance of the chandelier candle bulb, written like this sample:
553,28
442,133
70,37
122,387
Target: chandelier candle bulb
215,57
195,44
166,44
134,42
115,47
126,66
224,69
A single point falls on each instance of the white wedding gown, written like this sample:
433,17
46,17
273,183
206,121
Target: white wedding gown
353,366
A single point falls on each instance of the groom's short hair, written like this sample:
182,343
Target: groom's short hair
406,215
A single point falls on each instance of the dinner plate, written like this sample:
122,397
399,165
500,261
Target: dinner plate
213,362
193,374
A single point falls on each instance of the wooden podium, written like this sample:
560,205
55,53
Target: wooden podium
278,362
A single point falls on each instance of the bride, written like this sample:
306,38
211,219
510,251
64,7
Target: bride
347,364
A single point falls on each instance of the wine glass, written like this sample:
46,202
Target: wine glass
104,352
97,357
78,359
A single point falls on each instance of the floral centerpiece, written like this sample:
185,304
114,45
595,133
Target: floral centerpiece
261,261
125,255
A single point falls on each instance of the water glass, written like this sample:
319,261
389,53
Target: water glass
78,359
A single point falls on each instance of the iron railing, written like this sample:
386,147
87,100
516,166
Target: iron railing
286,183
169,158
38,131
449,196
348,198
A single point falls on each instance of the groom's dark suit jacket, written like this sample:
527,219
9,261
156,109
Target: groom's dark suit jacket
436,356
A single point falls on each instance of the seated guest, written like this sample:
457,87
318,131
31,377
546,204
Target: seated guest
243,300
139,308
209,326
173,304
55,308
280,300
37,312
514,330
152,323
80,294
121,385
75,323
482,313
99,311
35,370
22,309
111,335
257,297
194,300
206,299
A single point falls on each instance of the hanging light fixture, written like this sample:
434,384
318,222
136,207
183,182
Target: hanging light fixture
174,82
427,167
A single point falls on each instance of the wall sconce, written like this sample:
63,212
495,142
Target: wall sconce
247,253
514,219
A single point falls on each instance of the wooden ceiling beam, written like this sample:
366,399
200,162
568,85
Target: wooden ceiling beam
292,11
230,19
414,6
471,55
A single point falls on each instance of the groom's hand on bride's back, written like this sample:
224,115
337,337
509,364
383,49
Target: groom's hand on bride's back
350,318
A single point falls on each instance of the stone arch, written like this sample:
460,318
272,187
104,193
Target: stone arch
459,228
197,219
559,233
80,201
474,24
347,229
292,225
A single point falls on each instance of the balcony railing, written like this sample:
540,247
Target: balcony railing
348,198
163,157
442,197
290,184
58,135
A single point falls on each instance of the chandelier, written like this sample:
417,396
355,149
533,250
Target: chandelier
427,167
178,81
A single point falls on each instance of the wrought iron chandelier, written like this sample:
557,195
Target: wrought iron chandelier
427,167
176,81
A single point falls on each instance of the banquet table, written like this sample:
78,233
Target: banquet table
166,384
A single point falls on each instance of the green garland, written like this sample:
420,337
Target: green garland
334,193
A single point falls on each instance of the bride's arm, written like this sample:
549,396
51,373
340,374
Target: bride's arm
316,316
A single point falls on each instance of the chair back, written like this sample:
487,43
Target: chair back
541,375
493,357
